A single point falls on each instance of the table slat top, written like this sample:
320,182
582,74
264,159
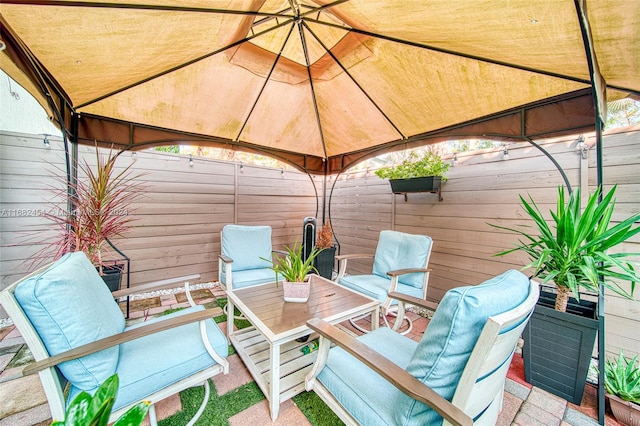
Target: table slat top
265,307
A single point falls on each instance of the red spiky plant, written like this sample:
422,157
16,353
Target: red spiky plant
101,210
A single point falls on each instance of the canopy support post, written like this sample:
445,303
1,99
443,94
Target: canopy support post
555,163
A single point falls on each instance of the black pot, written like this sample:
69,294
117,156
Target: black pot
421,184
558,346
112,276
324,262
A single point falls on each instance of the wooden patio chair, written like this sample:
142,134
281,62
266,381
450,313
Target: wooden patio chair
77,335
399,265
456,372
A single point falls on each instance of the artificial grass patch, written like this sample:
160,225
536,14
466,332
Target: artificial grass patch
219,408
238,323
316,410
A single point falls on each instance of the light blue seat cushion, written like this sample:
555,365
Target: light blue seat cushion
246,245
250,277
451,335
363,393
398,250
376,286
69,305
156,361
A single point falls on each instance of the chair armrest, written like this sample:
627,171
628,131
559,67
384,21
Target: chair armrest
401,297
391,372
353,256
225,259
119,338
398,272
155,285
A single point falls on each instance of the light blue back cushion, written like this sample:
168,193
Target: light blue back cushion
246,245
70,305
398,250
449,339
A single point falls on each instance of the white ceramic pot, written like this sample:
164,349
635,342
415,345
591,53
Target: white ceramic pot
296,292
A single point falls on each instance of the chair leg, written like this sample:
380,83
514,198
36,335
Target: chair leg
235,317
207,391
393,314
153,420
352,321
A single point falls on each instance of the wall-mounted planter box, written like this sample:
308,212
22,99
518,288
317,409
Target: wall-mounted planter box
422,184
558,347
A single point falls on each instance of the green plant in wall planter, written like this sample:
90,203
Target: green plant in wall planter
416,174
571,252
87,410
622,382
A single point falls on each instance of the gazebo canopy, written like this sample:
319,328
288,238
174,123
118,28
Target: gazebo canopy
320,84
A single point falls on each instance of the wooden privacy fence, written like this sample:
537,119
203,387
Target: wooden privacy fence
484,188
178,218
183,209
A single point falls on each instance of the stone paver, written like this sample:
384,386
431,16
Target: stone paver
25,392
258,414
5,360
238,376
37,416
532,415
517,390
510,407
166,408
548,402
576,418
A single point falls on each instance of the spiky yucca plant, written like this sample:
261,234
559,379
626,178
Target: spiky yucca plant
101,201
573,252
291,266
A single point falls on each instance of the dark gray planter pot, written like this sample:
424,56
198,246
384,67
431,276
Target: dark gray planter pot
558,347
324,262
112,276
421,184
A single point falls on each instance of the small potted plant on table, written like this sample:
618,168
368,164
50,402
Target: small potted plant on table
294,270
416,174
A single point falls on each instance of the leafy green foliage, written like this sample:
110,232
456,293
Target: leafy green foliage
86,410
316,410
429,165
574,253
292,268
173,149
622,378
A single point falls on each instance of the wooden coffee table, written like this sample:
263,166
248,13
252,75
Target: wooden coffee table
269,348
